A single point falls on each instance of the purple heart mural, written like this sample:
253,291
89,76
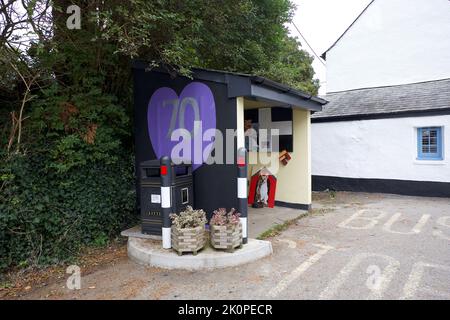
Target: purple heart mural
167,112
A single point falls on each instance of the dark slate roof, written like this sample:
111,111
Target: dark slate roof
247,85
390,100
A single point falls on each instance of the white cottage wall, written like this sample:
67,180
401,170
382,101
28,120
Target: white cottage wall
382,149
393,42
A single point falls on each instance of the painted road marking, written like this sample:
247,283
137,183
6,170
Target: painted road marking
376,291
296,273
445,222
373,221
415,277
415,230
292,244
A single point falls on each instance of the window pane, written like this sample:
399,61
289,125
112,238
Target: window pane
429,143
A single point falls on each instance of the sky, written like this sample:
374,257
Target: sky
322,22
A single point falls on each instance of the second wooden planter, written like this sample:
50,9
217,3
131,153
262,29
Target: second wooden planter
226,237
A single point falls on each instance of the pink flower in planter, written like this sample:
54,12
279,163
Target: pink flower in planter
222,218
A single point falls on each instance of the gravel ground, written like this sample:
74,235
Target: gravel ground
352,246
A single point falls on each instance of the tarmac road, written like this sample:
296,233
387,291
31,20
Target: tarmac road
356,246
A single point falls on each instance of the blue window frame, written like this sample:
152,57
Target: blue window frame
429,143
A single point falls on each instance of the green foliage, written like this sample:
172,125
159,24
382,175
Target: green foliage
246,36
46,216
293,67
279,228
72,182
84,127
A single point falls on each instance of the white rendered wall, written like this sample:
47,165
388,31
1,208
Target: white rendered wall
393,42
382,149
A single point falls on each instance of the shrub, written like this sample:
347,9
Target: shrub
221,217
189,218
45,217
72,183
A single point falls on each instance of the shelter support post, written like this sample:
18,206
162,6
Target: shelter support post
166,201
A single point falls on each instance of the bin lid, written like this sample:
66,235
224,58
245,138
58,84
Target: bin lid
155,163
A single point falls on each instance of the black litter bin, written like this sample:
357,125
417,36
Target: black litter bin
182,193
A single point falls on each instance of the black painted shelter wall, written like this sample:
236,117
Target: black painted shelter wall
214,185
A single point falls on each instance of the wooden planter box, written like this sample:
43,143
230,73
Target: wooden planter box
188,240
226,237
